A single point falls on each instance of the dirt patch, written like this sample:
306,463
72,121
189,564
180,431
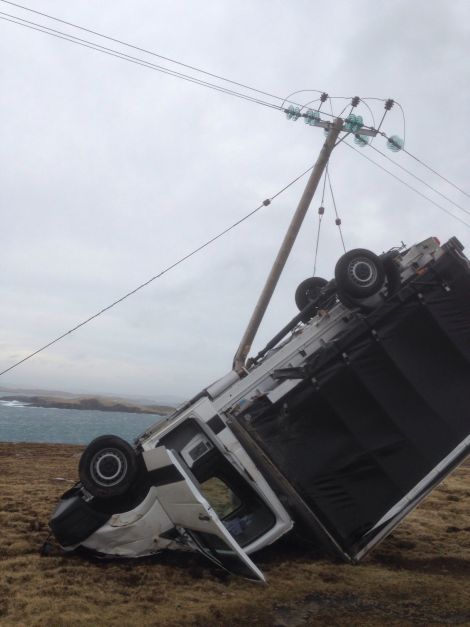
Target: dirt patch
419,575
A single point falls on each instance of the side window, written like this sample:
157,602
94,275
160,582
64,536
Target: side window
220,496
243,513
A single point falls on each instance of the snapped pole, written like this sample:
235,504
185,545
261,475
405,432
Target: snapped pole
286,247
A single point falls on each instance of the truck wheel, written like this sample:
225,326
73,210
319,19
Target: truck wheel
393,275
359,273
108,466
308,291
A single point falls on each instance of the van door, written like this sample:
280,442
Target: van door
193,517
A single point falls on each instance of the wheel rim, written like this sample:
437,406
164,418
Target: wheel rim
108,467
362,272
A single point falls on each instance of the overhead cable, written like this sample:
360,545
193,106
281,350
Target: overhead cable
125,57
370,111
265,203
140,49
142,62
300,91
338,219
408,185
428,167
436,191
321,211
420,161
14,19
97,47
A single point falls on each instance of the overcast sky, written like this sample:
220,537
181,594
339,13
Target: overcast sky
109,172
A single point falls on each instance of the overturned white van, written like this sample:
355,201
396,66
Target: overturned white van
339,427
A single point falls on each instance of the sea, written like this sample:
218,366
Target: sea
20,422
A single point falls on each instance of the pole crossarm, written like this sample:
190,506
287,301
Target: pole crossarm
364,130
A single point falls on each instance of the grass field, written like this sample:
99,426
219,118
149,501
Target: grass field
419,575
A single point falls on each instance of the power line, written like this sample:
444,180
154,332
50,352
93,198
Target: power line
420,161
321,211
331,107
436,191
112,52
428,167
196,69
299,91
409,186
125,57
146,51
393,102
404,120
309,103
338,219
370,111
265,203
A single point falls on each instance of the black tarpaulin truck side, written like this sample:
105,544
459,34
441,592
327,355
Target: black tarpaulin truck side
382,415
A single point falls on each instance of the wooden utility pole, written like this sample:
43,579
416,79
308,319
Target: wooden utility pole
286,247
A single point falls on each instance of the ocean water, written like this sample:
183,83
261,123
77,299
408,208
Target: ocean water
23,423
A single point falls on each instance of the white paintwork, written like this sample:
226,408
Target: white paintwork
135,533
222,384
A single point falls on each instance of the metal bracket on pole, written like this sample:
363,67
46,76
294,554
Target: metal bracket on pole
286,247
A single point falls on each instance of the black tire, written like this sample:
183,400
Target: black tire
393,274
308,291
359,273
347,300
108,466
356,303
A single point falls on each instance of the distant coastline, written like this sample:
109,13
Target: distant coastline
94,403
